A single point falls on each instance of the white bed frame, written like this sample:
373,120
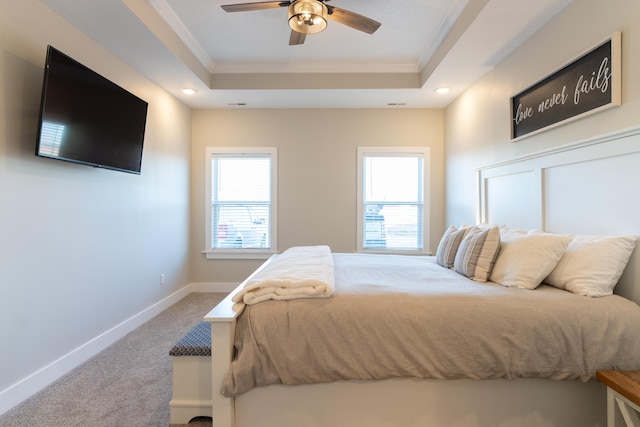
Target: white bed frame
588,187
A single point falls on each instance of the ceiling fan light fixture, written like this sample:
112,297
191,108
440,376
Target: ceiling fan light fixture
308,16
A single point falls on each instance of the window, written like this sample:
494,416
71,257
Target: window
241,209
51,138
393,184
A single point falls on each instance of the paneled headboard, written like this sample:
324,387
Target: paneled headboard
589,187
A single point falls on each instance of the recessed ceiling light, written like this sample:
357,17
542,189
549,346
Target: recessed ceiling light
189,91
442,90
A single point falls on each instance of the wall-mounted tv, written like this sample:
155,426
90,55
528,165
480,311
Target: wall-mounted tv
87,119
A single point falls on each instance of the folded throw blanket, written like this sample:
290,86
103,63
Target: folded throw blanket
298,272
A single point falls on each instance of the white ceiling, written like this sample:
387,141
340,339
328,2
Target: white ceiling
244,57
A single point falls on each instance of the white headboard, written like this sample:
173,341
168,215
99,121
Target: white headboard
590,187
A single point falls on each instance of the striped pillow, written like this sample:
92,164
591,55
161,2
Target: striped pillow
477,253
448,247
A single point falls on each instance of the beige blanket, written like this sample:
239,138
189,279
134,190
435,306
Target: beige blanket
401,316
298,272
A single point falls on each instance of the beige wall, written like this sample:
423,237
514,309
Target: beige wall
316,172
478,123
81,249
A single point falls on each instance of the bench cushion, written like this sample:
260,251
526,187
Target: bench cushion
196,342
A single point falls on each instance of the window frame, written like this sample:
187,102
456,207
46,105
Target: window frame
241,253
388,151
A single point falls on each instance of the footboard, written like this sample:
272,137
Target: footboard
222,319
223,323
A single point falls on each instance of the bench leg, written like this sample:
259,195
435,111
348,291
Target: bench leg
628,411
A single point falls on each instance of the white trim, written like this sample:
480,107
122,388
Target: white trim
315,67
239,254
442,31
272,152
171,18
425,153
35,382
600,139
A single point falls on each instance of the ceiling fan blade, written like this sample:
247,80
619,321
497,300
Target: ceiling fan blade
245,7
296,38
353,20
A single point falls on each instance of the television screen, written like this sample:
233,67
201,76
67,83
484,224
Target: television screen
85,118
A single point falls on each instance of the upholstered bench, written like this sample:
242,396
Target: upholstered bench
191,375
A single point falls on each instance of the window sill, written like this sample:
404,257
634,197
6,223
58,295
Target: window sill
238,254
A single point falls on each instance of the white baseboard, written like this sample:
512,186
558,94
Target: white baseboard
28,386
183,411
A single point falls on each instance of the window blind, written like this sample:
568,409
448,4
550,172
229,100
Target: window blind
241,201
393,201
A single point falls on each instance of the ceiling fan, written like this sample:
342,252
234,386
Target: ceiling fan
309,16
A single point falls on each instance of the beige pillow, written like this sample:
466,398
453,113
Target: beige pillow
477,253
448,247
525,259
592,265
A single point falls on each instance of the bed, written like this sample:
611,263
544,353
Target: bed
411,342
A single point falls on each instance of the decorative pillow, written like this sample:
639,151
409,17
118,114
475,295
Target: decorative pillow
592,265
508,232
525,259
477,253
482,225
446,253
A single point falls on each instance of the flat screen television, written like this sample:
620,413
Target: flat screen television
87,119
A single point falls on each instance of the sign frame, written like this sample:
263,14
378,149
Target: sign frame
587,85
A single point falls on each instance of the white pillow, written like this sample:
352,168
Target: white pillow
508,232
477,253
481,225
592,265
525,259
448,247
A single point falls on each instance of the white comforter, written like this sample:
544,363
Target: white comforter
406,316
299,272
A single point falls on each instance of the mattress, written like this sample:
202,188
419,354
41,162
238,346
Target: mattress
394,316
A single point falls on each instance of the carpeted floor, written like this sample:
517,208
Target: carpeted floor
126,385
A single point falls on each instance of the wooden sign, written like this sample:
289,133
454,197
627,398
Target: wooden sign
587,85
